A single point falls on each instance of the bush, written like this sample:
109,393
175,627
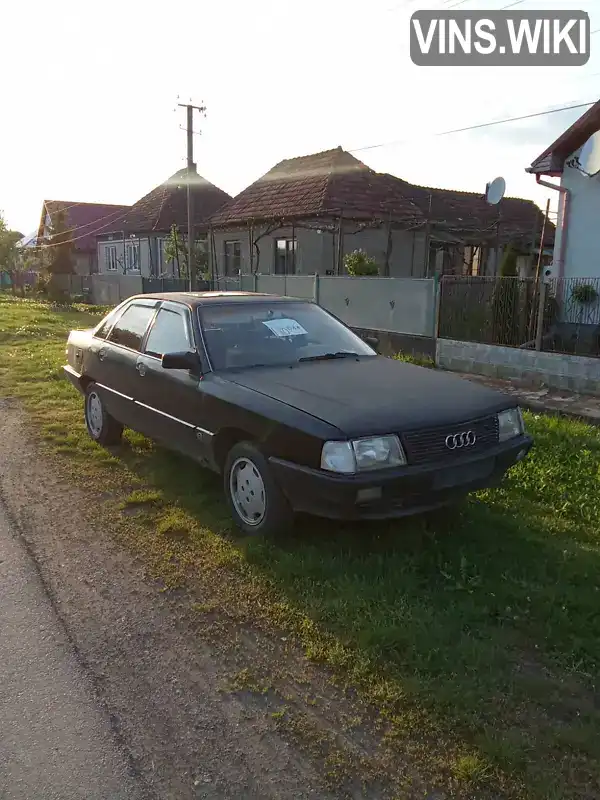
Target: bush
508,267
41,285
359,263
585,293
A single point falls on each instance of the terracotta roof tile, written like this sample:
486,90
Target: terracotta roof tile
319,185
167,205
469,211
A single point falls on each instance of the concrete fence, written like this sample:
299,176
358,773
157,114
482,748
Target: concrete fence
400,311
113,289
396,305
405,306
102,290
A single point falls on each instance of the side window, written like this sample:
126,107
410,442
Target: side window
104,328
131,327
169,334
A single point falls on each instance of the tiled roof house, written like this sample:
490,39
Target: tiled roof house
289,219
136,244
85,221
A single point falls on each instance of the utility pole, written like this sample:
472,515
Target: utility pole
191,171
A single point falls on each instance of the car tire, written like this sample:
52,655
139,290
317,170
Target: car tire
102,428
248,480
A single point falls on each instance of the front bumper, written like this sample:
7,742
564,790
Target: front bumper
395,492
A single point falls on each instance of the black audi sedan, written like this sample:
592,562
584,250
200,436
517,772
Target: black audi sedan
293,409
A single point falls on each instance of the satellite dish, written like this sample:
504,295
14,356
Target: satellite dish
589,158
494,191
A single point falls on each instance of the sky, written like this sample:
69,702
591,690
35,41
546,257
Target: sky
90,93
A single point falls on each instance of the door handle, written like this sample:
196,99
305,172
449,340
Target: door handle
141,368
101,354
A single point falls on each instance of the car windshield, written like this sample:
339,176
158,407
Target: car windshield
277,333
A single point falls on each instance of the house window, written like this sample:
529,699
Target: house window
285,256
233,258
110,258
132,256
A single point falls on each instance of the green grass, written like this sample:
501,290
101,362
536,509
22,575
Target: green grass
475,634
411,358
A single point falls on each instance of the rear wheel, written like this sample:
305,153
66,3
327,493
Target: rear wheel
103,428
257,504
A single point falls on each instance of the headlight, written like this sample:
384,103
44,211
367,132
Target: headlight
362,454
338,457
510,424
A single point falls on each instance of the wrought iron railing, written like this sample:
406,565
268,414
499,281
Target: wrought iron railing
505,311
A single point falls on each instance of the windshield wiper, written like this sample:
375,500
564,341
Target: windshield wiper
329,356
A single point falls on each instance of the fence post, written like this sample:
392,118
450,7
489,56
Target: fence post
254,283
316,288
540,320
437,291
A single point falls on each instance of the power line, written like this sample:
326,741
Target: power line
65,208
480,125
62,209
96,221
89,233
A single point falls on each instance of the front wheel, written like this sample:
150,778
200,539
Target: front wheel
103,428
257,504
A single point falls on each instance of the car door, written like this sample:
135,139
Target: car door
169,399
115,357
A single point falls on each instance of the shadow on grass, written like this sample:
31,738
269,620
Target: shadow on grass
485,616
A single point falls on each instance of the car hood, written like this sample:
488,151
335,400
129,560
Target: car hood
374,394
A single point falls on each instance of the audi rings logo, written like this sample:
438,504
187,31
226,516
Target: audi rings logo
463,439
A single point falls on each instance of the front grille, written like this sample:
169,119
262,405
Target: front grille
429,444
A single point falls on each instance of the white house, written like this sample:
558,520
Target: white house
577,240
136,245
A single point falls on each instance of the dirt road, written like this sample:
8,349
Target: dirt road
163,686
56,740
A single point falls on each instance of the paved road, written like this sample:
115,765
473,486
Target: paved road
55,741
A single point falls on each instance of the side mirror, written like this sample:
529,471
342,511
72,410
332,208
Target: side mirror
373,341
181,361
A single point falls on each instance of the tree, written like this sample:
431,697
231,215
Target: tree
8,246
359,263
508,327
508,267
60,246
177,253
10,255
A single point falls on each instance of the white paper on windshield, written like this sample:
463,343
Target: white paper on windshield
285,327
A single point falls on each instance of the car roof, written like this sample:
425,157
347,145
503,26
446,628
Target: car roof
214,298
